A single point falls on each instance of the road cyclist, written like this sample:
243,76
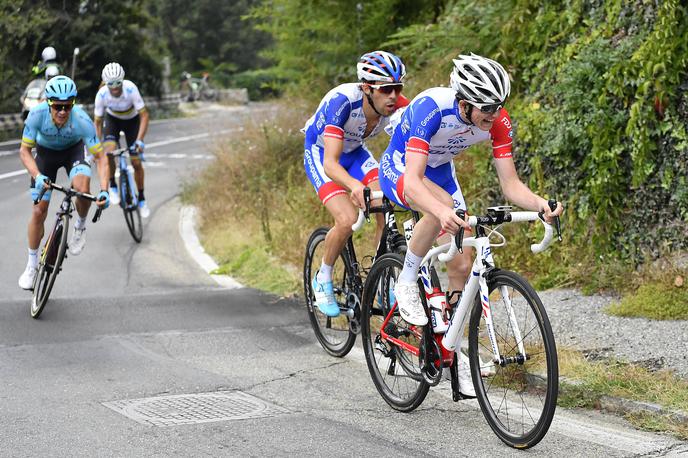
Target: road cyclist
337,161
417,172
59,130
119,107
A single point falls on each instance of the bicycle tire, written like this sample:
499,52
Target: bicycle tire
535,381
401,388
56,247
132,214
333,334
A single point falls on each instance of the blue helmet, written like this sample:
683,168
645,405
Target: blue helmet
60,88
380,67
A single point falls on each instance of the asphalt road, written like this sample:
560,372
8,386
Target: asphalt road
130,321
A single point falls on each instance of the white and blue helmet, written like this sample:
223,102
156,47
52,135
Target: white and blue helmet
380,67
481,80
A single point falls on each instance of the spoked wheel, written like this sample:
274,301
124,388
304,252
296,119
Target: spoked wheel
334,334
394,370
51,261
518,394
132,214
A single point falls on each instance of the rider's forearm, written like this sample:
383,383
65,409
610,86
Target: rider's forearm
518,193
103,170
98,122
339,175
143,126
28,161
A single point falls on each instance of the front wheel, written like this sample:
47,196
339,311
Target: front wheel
392,355
51,262
129,203
334,333
518,393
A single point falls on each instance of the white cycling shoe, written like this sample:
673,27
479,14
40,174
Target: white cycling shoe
465,379
27,277
77,242
143,208
409,304
114,195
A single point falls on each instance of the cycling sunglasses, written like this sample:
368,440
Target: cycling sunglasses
58,107
114,84
487,108
388,88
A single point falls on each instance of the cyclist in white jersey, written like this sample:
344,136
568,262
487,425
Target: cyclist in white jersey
336,159
120,107
416,170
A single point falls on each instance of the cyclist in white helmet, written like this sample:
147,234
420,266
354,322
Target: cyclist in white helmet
417,171
336,159
48,63
120,107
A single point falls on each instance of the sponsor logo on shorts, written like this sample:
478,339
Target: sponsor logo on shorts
313,171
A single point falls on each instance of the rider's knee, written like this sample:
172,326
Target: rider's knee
460,267
39,213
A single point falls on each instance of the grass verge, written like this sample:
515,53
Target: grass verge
587,382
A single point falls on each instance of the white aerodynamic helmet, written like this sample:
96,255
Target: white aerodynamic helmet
113,73
480,80
51,71
48,54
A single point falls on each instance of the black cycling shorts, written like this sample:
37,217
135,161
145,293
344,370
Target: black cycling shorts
49,161
113,126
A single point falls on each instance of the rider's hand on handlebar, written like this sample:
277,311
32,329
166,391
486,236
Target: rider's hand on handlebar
450,222
357,196
40,182
103,200
549,215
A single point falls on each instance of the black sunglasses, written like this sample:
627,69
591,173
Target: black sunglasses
388,88
58,107
487,108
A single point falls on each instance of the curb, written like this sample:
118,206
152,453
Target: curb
187,230
627,406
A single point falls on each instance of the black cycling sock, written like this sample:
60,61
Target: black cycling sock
141,197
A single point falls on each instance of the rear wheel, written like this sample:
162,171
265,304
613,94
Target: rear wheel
395,370
518,394
132,214
51,262
333,333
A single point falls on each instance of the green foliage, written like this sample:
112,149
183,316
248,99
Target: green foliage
654,301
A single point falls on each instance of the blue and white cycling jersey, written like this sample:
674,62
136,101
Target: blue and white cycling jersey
431,125
40,129
340,115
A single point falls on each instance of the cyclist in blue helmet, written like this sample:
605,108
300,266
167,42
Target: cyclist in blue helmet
60,132
336,159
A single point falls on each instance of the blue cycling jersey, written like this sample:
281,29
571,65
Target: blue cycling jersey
40,129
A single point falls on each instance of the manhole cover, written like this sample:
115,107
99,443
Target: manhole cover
187,409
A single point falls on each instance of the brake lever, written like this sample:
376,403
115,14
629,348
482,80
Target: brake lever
557,224
459,235
366,199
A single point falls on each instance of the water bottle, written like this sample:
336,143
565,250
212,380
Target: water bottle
437,303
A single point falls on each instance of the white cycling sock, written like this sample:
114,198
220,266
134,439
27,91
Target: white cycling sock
33,257
325,273
80,223
409,274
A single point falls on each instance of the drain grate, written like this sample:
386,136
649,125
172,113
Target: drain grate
189,409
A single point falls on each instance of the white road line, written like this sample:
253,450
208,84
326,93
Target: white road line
193,246
150,145
12,174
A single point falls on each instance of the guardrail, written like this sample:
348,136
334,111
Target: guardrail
14,120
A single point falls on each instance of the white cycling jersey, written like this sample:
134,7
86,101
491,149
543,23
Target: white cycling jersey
126,106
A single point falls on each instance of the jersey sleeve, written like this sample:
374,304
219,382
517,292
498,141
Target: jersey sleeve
336,114
99,106
31,126
88,133
425,120
502,133
136,98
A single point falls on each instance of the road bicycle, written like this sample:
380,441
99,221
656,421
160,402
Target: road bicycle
511,348
55,248
337,335
129,201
